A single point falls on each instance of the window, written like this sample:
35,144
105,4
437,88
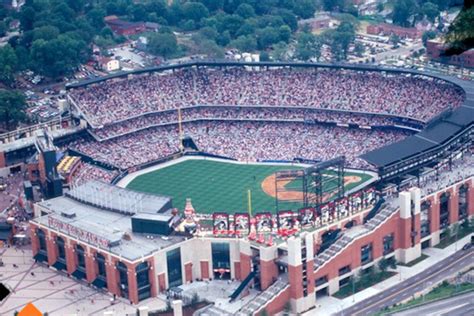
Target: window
101,266
61,249
388,244
321,280
366,254
42,240
81,259
221,260
173,260
143,281
123,279
344,270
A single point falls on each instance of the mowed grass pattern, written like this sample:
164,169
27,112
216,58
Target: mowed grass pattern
213,186
216,186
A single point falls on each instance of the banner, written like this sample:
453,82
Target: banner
241,223
307,216
264,222
220,223
285,220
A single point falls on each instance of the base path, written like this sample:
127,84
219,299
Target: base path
268,186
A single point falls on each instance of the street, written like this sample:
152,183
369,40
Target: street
409,287
458,305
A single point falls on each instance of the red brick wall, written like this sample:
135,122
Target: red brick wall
237,271
52,249
91,267
132,283
162,282
205,270
268,273
278,303
112,278
188,272
295,275
453,206
34,239
3,162
433,214
71,259
245,265
152,277
404,226
470,199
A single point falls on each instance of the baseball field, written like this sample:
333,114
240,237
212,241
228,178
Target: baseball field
221,186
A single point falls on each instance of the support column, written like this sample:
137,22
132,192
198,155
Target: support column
91,266
470,198
34,239
112,279
407,222
245,258
51,249
433,215
268,267
453,206
295,274
132,283
71,263
205,270
152,278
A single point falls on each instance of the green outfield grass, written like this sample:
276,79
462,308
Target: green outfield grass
213,186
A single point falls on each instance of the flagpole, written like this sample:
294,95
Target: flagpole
249,200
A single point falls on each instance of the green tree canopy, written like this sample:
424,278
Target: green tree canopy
163,44
12,108
8,64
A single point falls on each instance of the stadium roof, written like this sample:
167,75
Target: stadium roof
434,135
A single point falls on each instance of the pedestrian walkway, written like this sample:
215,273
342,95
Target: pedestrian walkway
332,305
55,293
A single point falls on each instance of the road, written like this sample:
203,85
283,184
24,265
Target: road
415,284
458,305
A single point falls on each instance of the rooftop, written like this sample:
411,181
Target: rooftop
103,226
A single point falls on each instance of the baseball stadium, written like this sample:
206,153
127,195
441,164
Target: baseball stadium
286,179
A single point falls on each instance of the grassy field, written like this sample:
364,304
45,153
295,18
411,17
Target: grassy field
213,186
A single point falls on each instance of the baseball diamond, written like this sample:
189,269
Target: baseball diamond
222,186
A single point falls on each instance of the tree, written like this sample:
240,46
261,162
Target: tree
8,64
305,9
3,28
427,36
359,49
308,46
280,51
403,10
246,43
12,107
430,10
245,11
163,44
284,33
267,36
195,11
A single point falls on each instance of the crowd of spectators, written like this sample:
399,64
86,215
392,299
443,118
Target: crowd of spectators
245,141
416,97
89,172
207,113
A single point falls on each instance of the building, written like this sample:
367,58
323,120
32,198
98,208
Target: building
435,48
391,29
109,64
118,239
320,22
122,27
